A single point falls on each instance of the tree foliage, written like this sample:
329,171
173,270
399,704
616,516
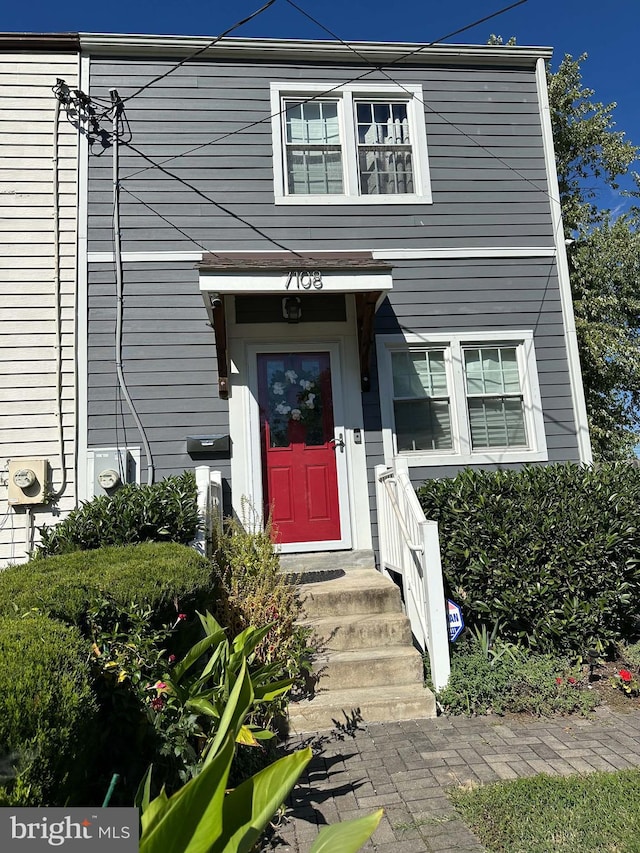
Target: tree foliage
604,256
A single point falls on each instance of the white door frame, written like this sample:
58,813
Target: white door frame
301,346
340,340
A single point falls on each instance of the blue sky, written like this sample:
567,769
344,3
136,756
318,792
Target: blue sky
608,31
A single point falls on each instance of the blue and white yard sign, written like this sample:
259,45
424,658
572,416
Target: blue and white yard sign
454,620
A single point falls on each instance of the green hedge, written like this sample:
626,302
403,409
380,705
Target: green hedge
159,575
552,553
47,712
164,512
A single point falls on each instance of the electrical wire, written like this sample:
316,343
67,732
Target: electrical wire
421,101
202,49
119,293
168,221
211,200
57,299
379,67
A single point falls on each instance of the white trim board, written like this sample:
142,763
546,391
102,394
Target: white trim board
244,342
566,299
378,254
282,283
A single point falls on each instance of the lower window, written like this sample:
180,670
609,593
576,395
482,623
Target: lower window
461,399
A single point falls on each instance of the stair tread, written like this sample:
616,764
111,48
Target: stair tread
353,579
348,695
367,655
353,619
348,707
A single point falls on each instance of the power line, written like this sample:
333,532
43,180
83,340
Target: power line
420,100
211,200
329,91
380,68
202,49
168,221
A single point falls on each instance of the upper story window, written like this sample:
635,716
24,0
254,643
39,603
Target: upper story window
461,399
351,145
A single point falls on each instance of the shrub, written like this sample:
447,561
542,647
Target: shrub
47,712
251,590
521,681
160,576
550,552
164,512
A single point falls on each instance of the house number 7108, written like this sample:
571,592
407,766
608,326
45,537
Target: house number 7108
304,279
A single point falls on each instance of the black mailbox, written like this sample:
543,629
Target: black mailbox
208,445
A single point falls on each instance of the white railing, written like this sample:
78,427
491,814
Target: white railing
209,485
409,546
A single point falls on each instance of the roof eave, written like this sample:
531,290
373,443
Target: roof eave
311,50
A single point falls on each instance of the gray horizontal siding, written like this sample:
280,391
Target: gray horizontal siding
482,295
169,363
485,154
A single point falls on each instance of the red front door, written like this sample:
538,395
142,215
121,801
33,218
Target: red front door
299,473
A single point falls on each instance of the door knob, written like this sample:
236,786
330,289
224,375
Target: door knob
338,442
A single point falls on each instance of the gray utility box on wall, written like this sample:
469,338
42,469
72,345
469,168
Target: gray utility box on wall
109,468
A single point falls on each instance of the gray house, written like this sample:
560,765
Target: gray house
332,258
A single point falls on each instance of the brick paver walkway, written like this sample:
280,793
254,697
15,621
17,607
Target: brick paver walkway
407,767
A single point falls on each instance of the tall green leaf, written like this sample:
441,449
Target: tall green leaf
249,808
348,836
192,819
236,709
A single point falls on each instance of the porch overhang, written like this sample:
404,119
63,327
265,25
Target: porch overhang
292,273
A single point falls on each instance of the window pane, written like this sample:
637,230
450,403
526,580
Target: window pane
314,171
384,171
419,374
492,370
313,121
497,422
382,124
422,424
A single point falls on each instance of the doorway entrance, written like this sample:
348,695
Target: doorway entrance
300,446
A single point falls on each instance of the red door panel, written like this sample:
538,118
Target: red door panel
299,472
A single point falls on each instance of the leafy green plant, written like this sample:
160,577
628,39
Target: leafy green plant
524,682
48,713
164,512
626,681
202,816
251,590
150,575
552,553
182,698
631,653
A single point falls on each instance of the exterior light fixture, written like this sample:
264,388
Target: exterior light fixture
291,309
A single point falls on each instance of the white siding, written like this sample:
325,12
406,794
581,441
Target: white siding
28,395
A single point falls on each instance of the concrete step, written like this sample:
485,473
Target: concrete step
360,591
381,667
362,631
346,708
316,564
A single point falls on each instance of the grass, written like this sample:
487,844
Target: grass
598,812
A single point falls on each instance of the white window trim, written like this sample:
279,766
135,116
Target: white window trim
461,453
344,95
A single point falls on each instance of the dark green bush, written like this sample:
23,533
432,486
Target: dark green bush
47,712
162,576
522,682
164,512
552,553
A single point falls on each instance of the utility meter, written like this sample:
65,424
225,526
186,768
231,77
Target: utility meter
24,477
27,481
109,479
